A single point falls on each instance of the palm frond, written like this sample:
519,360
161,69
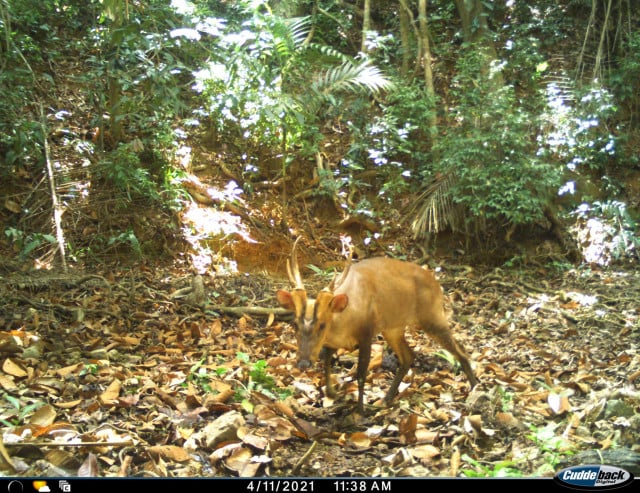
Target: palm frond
299,30
351,77
289,35
329,52
434,210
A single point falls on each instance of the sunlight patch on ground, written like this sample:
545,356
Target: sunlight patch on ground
209,230
583,299
208,223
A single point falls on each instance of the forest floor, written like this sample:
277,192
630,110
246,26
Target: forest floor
125,369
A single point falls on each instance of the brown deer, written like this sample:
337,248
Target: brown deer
375,295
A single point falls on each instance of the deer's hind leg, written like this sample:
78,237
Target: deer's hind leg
441,333
399,346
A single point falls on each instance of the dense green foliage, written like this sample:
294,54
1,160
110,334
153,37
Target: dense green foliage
515,124
492,148
271,83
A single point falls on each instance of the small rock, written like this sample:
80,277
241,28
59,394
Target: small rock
225,428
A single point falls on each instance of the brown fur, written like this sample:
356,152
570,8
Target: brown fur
378,295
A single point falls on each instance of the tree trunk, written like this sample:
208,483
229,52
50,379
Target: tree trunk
404,39
564,238
366,25
474,21
475,30
426,49
114,109
597,72
426,63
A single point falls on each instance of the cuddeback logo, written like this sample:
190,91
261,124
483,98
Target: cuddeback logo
593,477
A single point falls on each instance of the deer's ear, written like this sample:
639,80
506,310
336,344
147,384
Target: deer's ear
285,299
339,303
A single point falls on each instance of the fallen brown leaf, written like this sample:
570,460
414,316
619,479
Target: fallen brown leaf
14,369
68,405
89,467
358,441
44,416
110,395
425,453
7,383
170,452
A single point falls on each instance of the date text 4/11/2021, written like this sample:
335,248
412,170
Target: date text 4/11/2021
318,486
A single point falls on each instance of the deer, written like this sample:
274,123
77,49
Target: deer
377,295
